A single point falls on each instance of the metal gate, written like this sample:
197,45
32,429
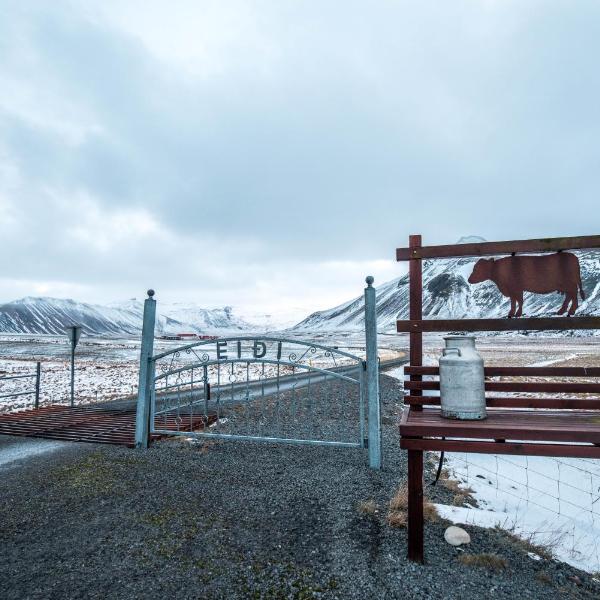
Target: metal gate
262,389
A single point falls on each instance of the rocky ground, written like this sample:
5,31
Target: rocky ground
244,520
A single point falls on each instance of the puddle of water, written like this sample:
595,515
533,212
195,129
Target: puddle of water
12,452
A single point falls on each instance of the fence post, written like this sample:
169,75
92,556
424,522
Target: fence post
372,375
38,373
142,419
72,375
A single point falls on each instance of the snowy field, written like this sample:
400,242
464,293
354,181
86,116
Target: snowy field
107,368
552,502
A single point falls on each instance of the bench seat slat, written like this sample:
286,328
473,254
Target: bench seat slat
515,448
550,426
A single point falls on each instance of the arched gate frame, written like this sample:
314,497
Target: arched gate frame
261,389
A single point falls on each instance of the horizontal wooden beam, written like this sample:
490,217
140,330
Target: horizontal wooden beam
454,429
517,371
513,402
551,387
516,448
520,324
495,248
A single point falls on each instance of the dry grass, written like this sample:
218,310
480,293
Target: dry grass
488,561
397,518
543,577
527,545
368,507
450,484
430,512
399,505
461,495
399,500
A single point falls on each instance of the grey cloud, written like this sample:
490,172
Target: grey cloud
440,118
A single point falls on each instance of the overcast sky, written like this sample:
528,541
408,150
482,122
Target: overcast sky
269,155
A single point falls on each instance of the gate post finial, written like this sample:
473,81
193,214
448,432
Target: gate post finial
142,419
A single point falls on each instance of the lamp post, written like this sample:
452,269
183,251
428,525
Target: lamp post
73,333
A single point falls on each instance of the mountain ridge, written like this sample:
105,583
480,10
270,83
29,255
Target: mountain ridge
448,295
46,315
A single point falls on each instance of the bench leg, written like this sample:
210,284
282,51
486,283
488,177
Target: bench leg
415,505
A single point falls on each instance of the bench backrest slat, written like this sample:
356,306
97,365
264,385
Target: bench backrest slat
552,387
516,383
518,371
518,402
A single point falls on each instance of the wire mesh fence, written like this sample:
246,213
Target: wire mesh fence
554,502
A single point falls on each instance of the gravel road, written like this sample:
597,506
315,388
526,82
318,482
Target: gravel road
241,520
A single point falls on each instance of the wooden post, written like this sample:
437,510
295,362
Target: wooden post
415,308
415,457
415,505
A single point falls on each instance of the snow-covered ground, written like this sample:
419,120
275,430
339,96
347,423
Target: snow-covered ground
552,502
108,368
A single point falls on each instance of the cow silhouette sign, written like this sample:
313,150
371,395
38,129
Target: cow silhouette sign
544,274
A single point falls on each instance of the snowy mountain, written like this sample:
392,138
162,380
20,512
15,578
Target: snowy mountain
52,315
448,295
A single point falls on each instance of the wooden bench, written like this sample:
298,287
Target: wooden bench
554,416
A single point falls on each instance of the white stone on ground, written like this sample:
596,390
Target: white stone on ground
456,536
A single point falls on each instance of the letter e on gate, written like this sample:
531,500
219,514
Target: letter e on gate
221,350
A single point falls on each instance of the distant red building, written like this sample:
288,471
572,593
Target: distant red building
188,336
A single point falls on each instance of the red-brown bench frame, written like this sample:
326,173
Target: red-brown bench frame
515,425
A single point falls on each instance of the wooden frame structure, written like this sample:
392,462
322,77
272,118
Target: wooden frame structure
515,425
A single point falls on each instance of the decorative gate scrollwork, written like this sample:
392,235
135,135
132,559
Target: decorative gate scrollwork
260,388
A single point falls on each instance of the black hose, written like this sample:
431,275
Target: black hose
439,469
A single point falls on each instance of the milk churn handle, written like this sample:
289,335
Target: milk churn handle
446,351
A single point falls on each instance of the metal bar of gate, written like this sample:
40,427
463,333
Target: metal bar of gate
362,367
256,438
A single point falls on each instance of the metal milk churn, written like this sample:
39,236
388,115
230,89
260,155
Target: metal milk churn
462,390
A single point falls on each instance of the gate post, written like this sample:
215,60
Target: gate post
142,418
372,375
